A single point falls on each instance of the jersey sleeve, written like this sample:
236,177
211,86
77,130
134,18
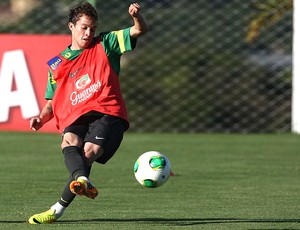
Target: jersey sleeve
51,86
118,41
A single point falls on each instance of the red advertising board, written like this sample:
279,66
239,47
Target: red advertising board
23,77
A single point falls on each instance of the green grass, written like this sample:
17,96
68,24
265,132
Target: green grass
221,182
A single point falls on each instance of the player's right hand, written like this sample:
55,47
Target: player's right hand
134,9
35,123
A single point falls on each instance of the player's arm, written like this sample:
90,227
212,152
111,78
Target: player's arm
140,25
46,115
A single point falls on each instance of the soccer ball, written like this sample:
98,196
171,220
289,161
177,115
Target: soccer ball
152,169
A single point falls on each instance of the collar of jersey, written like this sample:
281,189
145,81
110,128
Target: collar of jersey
71,54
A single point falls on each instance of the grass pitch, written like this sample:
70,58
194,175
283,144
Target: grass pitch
221,182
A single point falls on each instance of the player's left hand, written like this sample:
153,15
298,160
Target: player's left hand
134,9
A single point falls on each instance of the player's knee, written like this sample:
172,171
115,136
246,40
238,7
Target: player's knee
92,152
70,139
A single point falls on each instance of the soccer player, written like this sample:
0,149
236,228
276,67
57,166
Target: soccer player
83,95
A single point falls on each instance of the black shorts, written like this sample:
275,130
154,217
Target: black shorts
103,130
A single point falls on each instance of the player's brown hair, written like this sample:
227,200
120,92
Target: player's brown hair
84,8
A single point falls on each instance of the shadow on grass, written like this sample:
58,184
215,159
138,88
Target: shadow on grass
170,221
183,221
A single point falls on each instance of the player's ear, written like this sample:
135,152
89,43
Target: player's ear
71,26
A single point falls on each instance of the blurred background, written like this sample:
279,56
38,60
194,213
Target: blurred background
205,66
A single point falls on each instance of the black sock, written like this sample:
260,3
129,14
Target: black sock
74,161
67,196
88,170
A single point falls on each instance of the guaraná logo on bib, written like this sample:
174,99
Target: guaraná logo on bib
83,82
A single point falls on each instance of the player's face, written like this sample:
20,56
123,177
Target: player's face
82,32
